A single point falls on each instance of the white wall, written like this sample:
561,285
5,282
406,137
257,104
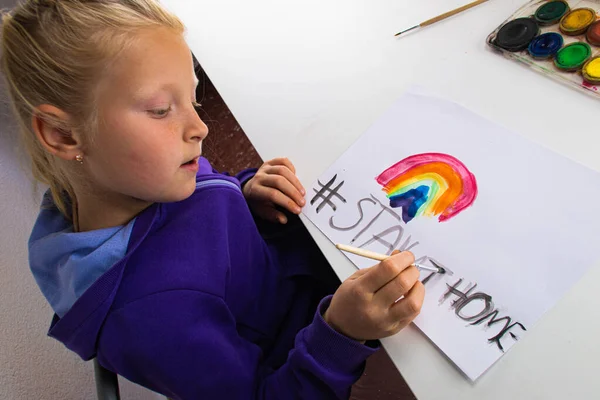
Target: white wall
32,365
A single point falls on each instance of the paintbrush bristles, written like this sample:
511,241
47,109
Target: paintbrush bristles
407,30
444,16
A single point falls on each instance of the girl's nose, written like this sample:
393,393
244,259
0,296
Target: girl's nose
196,128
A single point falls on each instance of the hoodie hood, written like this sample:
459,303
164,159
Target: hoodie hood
66,263
56,253
80,272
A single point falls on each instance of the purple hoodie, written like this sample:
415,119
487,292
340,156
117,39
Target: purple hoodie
209,303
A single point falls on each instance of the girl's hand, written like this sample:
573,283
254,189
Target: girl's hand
365,308
275,184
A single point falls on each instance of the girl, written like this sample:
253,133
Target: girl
183,280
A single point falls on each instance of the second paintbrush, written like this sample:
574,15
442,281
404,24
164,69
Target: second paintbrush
443,16
380,257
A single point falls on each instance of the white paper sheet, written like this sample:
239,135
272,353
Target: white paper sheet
532,231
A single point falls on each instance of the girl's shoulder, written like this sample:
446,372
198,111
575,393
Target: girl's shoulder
192,244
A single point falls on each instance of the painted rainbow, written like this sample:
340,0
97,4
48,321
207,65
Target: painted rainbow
429,184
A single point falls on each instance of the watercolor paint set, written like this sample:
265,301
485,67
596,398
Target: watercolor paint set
558,38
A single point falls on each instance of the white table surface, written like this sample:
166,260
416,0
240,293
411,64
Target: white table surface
306,78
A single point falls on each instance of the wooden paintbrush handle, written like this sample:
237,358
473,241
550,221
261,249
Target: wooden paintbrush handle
451,13
361,252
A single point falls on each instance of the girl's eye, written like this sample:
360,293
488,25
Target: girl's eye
161,112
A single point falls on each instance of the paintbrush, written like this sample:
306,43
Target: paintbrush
380,257
443,16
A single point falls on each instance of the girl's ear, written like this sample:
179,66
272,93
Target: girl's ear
52,128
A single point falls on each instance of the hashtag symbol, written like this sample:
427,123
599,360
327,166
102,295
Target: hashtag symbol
326,193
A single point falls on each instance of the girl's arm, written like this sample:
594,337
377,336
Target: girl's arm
184,344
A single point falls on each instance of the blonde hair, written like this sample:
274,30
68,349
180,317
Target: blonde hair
54,52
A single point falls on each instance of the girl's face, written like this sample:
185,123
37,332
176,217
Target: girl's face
149,136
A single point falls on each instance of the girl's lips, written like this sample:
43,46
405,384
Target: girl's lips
191,165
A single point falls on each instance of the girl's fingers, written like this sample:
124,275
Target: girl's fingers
358,274
277,197
410,306
282,161
397,287
384,272
288,174
282,184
